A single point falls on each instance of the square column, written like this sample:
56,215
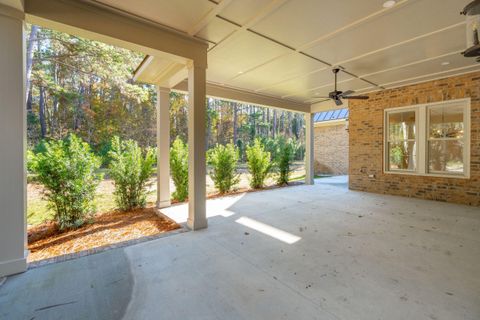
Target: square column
163,147
13,239
309,149
197,215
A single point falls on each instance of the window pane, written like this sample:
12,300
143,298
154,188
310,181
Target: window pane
446,122
402,155
401,125
445,156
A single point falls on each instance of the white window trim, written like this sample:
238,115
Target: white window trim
421,139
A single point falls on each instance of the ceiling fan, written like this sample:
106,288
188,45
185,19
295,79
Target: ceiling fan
337,95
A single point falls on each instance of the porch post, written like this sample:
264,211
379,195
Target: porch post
197,218
12,143
163,147
309,149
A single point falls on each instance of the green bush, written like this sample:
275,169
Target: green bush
259,165
179,169
284,158
67,171
223,160
130,169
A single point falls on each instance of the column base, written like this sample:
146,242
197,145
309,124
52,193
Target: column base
197,224
11,267
163,204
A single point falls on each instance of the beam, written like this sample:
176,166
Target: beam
244,96
103,23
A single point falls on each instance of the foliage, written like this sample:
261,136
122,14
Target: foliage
283,161
179,169
223,160
130,169
259,165
67,171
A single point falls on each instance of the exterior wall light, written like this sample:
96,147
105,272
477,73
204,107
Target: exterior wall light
472,13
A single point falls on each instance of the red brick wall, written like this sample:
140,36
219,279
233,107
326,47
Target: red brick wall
366,142
331,149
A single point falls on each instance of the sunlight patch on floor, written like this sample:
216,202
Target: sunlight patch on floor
268,230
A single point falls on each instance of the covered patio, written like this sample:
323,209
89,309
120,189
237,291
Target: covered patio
323,250
339,255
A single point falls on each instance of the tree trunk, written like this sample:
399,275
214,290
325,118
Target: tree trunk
43,127
29,54
274,127
235,123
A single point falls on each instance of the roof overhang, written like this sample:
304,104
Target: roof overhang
171,74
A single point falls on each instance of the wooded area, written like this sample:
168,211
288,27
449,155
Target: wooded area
85,87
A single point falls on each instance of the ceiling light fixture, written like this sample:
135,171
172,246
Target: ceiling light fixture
389,3
445,63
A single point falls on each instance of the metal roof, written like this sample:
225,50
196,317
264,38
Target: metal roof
330,115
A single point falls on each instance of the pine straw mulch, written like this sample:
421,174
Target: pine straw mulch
46,241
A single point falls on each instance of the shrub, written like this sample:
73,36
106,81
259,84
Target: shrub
284,157
223,160
259,164
67,171
130,169
179,169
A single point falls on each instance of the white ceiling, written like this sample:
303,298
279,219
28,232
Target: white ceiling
286,48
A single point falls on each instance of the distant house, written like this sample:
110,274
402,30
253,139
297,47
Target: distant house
331,142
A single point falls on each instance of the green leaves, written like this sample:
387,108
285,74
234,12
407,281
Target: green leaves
259,164
179,169
130,168
284,157
223,160
67,171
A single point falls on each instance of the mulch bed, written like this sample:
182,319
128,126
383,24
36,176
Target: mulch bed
46,241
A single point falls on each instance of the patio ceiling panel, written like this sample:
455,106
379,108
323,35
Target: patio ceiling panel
179,14
298,22
312,91
432,76
286,67
397,25
304,83
241,11
246,51
456,61
216,30
431,47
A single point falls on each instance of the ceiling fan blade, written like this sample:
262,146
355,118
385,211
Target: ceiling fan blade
348,92
338,102
357,97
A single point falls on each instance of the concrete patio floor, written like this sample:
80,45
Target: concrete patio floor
304,252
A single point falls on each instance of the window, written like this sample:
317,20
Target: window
430,139
401,144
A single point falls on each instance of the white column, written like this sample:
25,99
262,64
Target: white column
12,145
163,147
197,218
309,149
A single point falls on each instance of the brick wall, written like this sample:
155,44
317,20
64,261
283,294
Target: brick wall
366,142
331,149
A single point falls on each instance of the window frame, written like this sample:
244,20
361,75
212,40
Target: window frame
387,139
422,123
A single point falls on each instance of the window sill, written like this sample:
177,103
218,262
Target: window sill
433,175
